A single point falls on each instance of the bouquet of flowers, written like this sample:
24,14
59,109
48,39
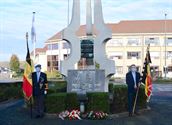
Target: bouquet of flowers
97,115
64,114
74,114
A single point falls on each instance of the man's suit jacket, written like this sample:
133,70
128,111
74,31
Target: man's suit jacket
37,91
130,81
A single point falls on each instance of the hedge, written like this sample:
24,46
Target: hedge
120,99
10,91
58,100
57,86
98,101
72,101
119,103
55,102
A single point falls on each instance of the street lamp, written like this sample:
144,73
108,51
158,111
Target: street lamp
165,41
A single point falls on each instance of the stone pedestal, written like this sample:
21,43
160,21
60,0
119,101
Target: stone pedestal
89,80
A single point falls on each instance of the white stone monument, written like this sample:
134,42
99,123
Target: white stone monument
106,66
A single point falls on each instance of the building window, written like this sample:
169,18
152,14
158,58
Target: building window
154,55
119,70
65,56
169,54
53,46
66,45
48,64
169,68
114,42
133,42
169,41
54,58
133,55
152,41
52,62
115,55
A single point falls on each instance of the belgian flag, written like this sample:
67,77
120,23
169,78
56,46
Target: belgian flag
146,77
27,79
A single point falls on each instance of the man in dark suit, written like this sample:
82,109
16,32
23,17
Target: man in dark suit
132,80
39,80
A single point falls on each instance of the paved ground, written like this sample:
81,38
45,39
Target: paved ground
160,113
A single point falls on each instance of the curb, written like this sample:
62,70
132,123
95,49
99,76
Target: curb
9,103
125,114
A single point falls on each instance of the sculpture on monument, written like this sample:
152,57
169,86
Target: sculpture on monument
91,50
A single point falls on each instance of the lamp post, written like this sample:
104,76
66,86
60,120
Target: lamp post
165,41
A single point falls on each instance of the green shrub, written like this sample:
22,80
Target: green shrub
10,91
120,100
72,101
53,74
57,86
2,97
98,101
51,91
142,97
55,103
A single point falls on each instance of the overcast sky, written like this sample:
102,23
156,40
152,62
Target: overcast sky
51,17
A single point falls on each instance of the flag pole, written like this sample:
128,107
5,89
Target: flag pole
31,108
33,36
34,51
134,106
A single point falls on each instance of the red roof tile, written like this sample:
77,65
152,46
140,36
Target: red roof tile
133,26
40,50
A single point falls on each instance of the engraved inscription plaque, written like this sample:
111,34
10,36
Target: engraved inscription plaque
89,80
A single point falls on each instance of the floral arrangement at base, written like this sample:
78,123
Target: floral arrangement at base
97,115
76,115
73,115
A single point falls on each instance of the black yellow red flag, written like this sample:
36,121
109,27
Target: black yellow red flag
146,77
27,81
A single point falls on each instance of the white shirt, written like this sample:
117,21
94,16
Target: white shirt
38,75
134,77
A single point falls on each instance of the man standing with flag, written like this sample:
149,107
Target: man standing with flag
132,80
39,80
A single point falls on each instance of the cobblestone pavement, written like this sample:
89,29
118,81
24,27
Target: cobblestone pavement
160,113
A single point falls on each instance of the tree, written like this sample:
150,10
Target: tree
14,63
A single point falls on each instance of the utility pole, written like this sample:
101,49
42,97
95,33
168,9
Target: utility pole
165,41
